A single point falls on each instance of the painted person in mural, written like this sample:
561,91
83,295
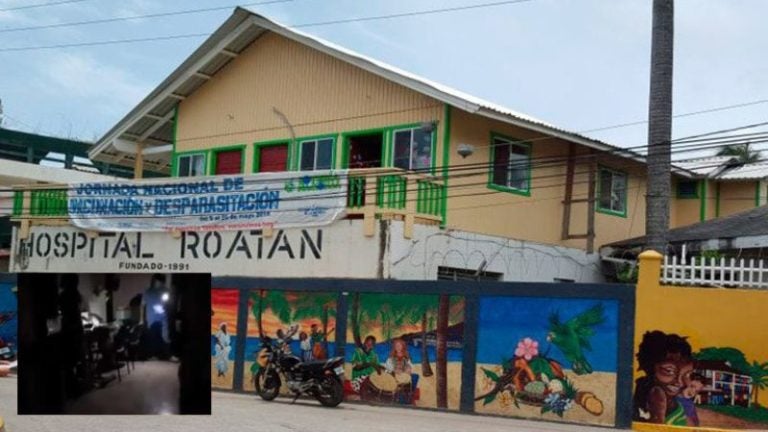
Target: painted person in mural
399,365
665,394
365,363
318,338
222,350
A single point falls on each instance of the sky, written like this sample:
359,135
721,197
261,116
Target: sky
578,64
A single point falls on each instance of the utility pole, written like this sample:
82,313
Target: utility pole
660,126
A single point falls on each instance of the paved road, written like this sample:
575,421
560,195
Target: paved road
235,412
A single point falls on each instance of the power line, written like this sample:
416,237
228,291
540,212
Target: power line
133,17
40,5
310,24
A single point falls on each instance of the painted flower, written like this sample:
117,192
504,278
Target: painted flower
555,386
527,349
505,399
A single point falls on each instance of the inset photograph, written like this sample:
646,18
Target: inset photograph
113,343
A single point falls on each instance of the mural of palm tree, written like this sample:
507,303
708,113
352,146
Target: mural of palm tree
759,374
742,152
269,299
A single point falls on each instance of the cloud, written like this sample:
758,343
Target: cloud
80,77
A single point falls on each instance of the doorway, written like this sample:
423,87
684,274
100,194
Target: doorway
365,150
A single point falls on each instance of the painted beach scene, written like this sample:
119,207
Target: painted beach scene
223,334
306,319
405,349
547,358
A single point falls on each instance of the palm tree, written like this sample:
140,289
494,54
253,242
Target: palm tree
313,305
759,374
742,152
660,126
273,300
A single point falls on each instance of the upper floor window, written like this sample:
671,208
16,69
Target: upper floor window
511,164
316,154
688,189
228,161
413,149
191,165
612,192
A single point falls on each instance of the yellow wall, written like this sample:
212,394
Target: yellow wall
738,196
539,216
709,317
317,93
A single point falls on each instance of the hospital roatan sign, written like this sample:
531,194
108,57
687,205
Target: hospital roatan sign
339,250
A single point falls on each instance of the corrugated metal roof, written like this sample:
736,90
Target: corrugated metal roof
754,171
244,26
724,168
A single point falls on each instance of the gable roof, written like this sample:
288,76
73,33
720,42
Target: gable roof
151,120
724,168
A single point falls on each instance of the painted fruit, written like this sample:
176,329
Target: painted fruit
590,403
535,388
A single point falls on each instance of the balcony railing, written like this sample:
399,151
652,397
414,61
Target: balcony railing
376,193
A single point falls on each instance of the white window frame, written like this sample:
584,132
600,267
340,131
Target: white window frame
191,156
315,142
411,131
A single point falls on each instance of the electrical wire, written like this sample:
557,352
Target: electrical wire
40,5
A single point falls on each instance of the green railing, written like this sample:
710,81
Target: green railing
391,191
356,192
430,197
42,202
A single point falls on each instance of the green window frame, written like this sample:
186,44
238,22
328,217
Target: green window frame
618,193
177,166
257,152
410,163
513,174
214,152
688,189
316,140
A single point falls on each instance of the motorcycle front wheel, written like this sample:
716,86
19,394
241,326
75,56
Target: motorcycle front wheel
331,392
267,384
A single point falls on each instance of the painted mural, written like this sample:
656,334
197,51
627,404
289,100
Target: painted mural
307,319
405,349
548,358
714,386
223,334
8,319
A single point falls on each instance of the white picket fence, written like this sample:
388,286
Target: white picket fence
714,272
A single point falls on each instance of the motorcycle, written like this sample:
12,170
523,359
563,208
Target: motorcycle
321,379
7,352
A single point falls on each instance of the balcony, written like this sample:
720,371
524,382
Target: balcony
376,193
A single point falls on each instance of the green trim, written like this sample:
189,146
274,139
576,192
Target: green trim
492,155
345,136
757,193
179,155
696,190
717,200
174,168
300,140
703,200
446,161
217,150
611,212
257,146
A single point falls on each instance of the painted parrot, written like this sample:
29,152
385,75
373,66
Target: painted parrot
572,337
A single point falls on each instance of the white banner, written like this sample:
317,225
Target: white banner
220,203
